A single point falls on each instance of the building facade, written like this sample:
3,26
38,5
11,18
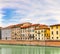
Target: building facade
29,31
15,33
0,32
25,33
55,32
6,33
32,29
20,31
42,33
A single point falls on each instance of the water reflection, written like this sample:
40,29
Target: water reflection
52,50
28,50
6,51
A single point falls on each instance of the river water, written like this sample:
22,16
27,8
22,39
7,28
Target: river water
13,49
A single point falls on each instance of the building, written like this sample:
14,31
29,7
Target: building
19,31
32,29
42,33
6,33
27,31
55,32
15,32
0,32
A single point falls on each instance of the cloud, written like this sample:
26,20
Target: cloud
35,11
1,19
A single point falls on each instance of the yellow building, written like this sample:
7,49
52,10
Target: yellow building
42,33
55,32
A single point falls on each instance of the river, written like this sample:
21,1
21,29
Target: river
14,49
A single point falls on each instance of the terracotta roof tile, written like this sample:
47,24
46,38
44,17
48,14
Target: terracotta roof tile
42,28
55,25
25,27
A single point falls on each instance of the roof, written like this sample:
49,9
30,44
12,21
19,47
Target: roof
42,28
55,25
25,27
43,25
29,26
9,27
14,26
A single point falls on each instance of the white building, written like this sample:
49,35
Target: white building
6,33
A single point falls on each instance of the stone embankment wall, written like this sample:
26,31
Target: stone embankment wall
25,42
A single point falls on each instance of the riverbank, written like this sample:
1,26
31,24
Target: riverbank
30,42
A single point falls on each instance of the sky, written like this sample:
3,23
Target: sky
34,11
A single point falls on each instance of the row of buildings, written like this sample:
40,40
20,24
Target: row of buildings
29,31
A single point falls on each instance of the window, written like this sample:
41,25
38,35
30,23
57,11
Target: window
36,38
56,27
15,37
36,35
42,38
47,38
20,34
39,38
35,31
21,38
51,27
23,35
45,34
38,32
52,32
42,34
57,32
15,34
52,37
31,30
42,31
23,30
57,37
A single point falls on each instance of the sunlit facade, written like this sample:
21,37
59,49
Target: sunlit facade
55,32
42,33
